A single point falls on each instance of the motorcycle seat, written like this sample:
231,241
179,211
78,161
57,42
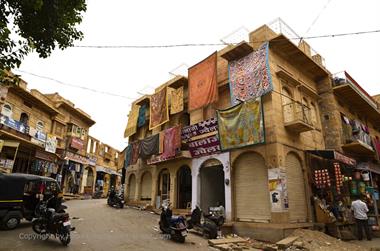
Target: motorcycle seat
60,216
176,219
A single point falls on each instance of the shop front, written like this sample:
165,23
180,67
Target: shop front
106,178
72,172
336,180
8,153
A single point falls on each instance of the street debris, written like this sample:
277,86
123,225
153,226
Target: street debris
299,240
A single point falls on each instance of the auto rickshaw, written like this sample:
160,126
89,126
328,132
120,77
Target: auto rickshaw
20,194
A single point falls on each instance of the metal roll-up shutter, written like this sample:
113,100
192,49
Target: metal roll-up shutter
296,189
146,186
132,188
251,188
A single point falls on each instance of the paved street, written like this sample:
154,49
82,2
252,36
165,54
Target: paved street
99,227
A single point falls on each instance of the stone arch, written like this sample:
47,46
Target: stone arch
184,186
146,186
250,184
131,194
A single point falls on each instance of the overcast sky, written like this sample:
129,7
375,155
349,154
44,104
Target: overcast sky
126,71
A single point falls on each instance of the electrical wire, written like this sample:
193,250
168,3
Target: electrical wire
316,19
217,44
75,86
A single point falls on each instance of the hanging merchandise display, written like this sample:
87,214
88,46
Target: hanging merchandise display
159,112
135,152
250,76
172,141
338,177
322,178
203,88
176,102
149,146
128,156
142,116
132,121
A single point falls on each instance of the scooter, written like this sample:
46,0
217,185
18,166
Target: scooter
209,225
51,223
115,200
173,226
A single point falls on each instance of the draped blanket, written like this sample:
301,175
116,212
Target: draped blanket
149,146
241,125
202,83
250,76
176,100
132,121
142,113
159,112
172,141
135,152
128,156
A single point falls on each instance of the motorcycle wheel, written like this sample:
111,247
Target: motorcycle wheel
121,205
38,227
64,236
179,238
210,232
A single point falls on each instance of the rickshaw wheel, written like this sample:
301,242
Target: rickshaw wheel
11,222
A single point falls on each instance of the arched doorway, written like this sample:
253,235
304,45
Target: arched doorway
132,187
183,187
90,178
296,189
163,189
212,191
146,187
251,188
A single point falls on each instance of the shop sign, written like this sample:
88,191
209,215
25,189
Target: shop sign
344,159
76,143
36,134
45,156
6,163
91,160
77,158
14,124
51,144
278,191
205,146
37,142
200,128
158,158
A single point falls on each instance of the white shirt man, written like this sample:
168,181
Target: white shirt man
360,209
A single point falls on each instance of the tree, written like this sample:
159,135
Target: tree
37,25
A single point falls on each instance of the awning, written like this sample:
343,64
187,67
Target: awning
368,166
107,170
330,154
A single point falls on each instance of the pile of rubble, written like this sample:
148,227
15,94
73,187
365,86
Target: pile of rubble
301,239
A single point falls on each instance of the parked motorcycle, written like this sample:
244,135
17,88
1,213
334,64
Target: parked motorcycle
209,225
49,222
173,226
115,200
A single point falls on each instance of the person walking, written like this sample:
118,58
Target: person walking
360,210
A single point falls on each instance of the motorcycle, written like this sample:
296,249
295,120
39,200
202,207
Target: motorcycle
173,226
49,222
115,200
209,225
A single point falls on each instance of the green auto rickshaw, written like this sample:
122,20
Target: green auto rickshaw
20,194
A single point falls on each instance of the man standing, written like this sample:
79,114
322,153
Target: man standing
360,213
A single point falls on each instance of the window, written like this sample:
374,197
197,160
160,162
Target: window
24,118
7,110
106,149
40,126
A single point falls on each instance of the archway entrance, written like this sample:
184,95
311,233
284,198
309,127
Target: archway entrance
212,192
146,187
163,189
131,187
183,187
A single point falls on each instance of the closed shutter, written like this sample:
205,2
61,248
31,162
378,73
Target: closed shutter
146,186
251,188
296,189
132,187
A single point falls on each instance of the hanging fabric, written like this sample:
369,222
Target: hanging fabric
149,146
176,103
250,76
172,141
241,125
203,88
161,144
128,156
142,116
135,152
132,121
159,112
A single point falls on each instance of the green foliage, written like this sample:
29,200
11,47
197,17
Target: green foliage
40,25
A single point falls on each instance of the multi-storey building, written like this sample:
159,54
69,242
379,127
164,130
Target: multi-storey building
316,128
105,172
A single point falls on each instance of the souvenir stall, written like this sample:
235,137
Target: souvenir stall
335,181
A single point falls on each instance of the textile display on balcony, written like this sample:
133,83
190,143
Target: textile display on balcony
149,146
172,141
203,88
241,125
132,121
128,156
142,116
176,103
250,76
159,112
161,142
135,152
376,145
